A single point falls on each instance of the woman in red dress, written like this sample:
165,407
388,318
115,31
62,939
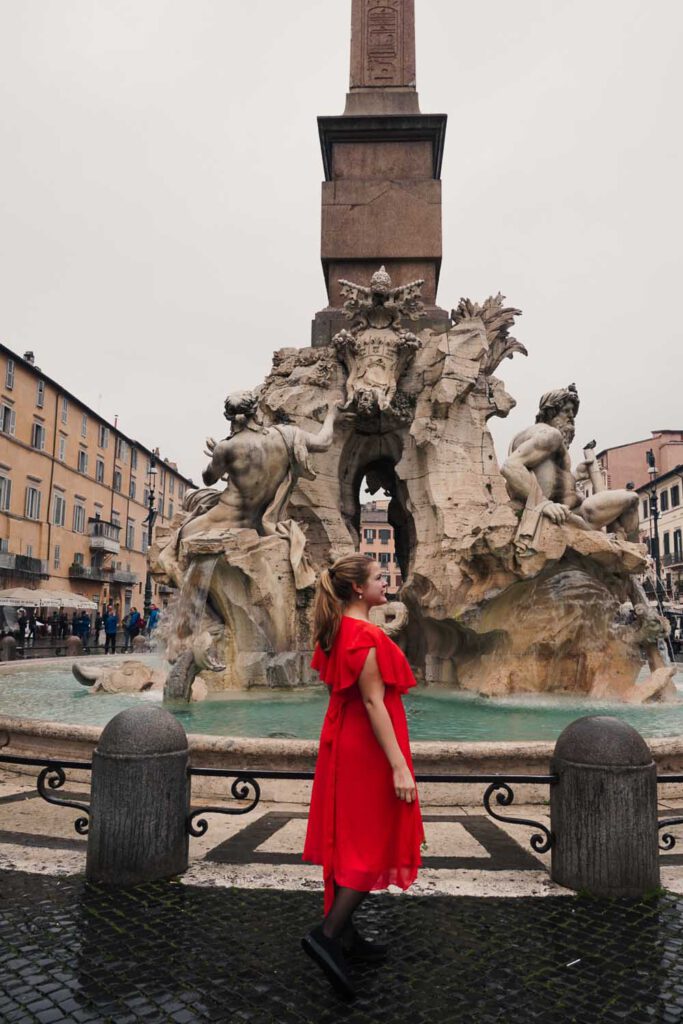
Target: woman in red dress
364,823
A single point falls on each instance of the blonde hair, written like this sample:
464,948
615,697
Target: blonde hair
334,590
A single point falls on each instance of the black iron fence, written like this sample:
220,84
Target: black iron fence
246,792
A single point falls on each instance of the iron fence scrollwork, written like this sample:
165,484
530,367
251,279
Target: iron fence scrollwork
505,796
54,777
244,788
666,840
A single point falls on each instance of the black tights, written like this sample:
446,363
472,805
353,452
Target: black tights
346,901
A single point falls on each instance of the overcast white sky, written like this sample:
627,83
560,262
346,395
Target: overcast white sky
160,200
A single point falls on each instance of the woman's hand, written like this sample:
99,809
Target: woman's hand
404,784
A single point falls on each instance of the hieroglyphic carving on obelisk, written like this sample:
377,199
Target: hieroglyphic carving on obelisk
383,44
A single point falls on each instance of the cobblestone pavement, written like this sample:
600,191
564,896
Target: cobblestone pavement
222,943
168,952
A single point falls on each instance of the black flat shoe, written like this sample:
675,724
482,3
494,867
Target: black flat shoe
356,947
328,955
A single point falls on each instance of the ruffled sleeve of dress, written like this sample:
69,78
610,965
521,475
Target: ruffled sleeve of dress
341,668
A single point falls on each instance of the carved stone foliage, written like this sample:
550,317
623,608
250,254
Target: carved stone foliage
497,321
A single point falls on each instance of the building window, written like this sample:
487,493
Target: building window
170,510
8,420
122,450
181,490
161,507
38,436
99,471
9,374
678,543
82,461
40,394
131,488
134,458
667,543
117,480
58,509
78,558
646,508
29,551
65,410
384,557
384,536
145,543
84,425
79,518
171,485
58,556
664,501
61,450
103,436
4,545
369,535
675,496
5,493
130,534
32,504
145,497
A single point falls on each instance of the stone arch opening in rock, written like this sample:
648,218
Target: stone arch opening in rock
367,468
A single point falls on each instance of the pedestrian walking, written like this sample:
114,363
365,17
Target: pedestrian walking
133,625
63,625
99,626
84,629
111,625
153,619
364,825
21,625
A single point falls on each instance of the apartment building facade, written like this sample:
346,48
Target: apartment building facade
377,539
627,463
74,492
669,489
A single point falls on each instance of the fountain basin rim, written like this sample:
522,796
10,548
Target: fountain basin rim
253,752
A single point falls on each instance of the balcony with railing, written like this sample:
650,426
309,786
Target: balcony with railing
104,536
101,573
124,576
673,559
22,566
97,573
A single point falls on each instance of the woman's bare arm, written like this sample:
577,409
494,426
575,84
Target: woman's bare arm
371,687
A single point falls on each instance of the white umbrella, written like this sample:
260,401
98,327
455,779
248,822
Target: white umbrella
26,598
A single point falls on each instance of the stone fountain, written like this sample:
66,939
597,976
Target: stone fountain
517,579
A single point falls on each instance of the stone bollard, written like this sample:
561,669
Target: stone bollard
8,648
140,799
603,809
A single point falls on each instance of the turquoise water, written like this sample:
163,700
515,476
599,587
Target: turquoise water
50,692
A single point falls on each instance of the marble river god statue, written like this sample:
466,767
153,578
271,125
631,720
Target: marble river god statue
515,579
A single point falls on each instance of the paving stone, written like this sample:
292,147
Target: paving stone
186,954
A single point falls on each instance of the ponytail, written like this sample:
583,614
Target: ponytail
333,592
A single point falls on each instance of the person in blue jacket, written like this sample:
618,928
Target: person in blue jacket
111,624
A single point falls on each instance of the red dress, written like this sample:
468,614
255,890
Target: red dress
358,829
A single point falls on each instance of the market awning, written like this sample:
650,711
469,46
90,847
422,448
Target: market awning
25,597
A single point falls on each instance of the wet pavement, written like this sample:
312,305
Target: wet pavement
71,951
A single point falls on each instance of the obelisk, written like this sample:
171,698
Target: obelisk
381,198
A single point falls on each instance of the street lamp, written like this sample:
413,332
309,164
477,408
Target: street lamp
149,522
654,512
